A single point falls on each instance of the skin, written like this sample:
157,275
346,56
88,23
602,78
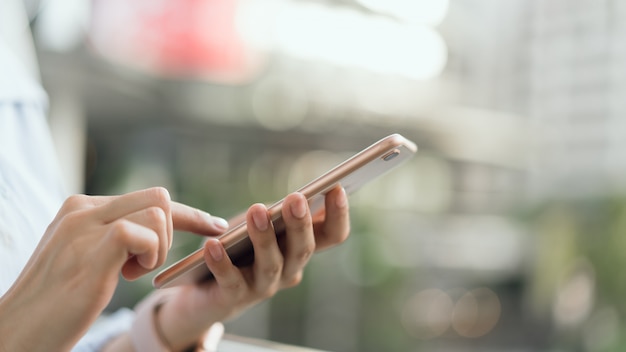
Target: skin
73,273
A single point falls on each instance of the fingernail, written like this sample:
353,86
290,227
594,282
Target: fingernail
342,199
222,224
215,250
298,208
260,220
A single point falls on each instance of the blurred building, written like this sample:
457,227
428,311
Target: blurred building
575,103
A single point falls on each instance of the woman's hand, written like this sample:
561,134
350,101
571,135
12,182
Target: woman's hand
195,308
74,271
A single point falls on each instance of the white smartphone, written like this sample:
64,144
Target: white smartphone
351,174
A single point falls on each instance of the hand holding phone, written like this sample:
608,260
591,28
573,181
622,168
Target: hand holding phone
352,174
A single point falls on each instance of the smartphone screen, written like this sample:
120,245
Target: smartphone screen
352,174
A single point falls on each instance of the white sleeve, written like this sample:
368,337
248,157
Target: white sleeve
31,189
104,330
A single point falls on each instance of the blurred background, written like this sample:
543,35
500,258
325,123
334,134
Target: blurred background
507,232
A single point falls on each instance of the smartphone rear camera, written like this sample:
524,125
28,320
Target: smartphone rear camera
392,154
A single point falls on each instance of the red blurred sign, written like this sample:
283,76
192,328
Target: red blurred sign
177,38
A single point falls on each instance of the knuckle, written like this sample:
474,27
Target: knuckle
270,292
160,195
75,201
119,231
235,286
70,222
72,218
273,271
339,236
294,280
302,224
156,215
306,253
266,292
344,236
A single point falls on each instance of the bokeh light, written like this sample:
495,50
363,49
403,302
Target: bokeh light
427,314
476,313
575,296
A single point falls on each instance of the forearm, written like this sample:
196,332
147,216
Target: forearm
19,326
8,341
10,336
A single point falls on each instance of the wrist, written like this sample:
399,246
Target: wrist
144,332
176,328
159,329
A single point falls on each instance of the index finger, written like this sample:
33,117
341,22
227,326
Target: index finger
129,203
189,219
183,217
